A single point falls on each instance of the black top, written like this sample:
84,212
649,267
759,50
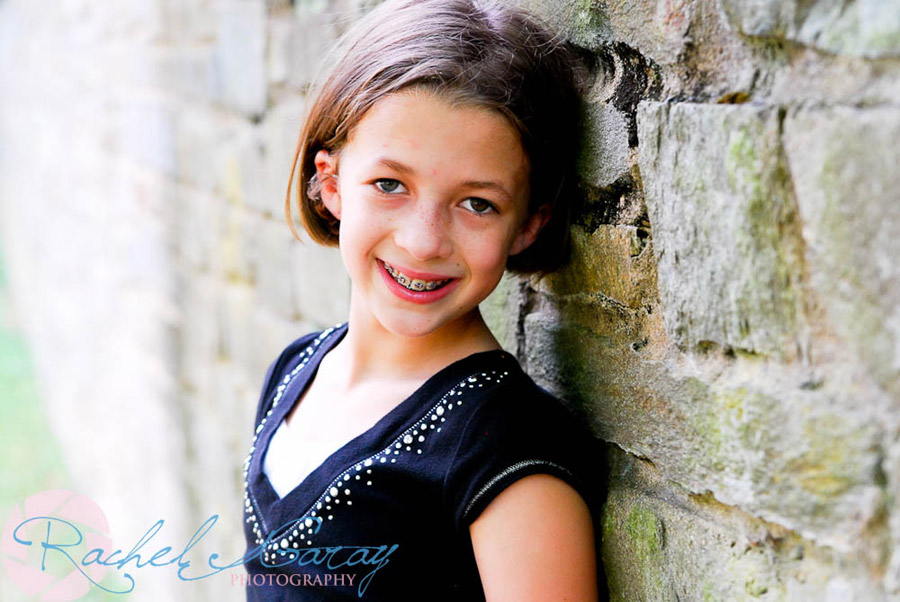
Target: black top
386,516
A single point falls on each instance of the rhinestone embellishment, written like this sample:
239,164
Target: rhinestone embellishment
413,437
250,506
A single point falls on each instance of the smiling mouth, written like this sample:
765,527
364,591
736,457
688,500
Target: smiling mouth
414,284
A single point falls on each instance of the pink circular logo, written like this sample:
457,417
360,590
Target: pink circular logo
43,544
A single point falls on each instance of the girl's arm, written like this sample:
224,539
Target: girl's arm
535,542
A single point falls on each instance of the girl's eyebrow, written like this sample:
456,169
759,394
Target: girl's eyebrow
395,165
407,170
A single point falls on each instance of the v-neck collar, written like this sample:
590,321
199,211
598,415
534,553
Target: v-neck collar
275,510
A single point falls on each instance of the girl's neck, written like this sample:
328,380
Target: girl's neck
369,352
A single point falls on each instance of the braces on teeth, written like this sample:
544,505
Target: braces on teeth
414,285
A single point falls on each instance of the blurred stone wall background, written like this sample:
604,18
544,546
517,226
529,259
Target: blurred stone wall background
145,149
730,322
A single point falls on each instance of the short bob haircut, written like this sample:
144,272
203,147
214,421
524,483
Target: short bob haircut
478,53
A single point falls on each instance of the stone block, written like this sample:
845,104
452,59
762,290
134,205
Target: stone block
864,28
239,163
233,309
199,140
758,435
613,261
271,334
844,165
501,311
310,47
657,29
252,247
219,155
214,233
271,257
135,22
252,170
320,283
583,22
187,21
188,71
146,131
564,355
231,251
197,231
280,57
605,156
660,542
892,529
724,226
280,131
198,337
240,55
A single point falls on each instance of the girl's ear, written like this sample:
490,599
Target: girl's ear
326,171
530,229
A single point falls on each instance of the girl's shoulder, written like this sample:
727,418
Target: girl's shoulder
516,428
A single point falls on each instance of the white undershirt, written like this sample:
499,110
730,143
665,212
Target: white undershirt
290,459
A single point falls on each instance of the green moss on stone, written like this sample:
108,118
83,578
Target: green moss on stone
708,422
764,237
755,589
634,557
828,468
742,161
646,532
588,18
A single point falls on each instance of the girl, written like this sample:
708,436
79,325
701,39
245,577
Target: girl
404,455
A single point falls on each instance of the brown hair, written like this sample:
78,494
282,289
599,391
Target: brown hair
471,52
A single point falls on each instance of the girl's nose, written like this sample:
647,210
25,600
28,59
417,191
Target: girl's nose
424,234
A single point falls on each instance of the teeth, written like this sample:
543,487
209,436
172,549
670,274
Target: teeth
414,284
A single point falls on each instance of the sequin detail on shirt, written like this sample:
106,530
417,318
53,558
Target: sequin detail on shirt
250,505
408,444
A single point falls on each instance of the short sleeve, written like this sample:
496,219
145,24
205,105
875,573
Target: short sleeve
512,435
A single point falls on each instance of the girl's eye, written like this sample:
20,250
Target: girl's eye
480,206
387,185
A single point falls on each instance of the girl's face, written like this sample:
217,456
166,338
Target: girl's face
432,199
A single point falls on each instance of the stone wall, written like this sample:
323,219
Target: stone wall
144,156
730,322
